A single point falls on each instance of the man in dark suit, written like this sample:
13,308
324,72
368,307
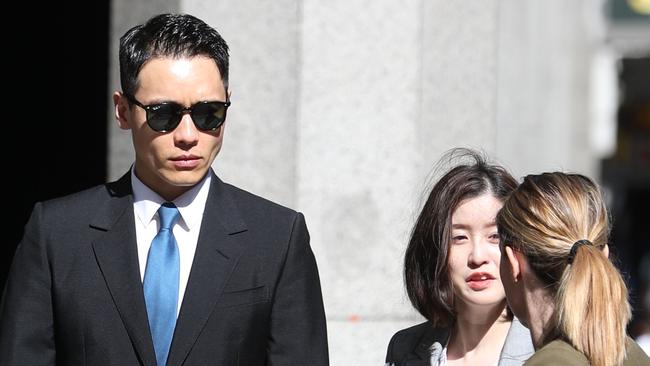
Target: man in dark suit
168,265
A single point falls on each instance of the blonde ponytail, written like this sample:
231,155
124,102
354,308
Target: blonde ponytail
592,308
560,223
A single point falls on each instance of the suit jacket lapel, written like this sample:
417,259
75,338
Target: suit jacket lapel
117,256
217,253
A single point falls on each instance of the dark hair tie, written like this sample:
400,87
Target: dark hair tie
574,249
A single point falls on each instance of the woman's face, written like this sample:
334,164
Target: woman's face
474,254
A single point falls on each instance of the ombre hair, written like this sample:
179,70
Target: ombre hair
543,219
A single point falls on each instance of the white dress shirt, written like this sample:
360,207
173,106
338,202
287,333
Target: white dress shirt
191,205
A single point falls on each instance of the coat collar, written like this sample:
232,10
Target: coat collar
518,346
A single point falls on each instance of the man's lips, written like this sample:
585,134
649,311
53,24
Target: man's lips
185,161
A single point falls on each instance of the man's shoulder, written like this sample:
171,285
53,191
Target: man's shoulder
93,197
252,202
67,215
89,197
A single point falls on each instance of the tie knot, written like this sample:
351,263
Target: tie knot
168,214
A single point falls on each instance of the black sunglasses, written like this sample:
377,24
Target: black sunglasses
164,117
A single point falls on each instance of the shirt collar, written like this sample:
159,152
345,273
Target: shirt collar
190,204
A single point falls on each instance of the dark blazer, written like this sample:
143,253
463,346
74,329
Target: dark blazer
412,346
74,294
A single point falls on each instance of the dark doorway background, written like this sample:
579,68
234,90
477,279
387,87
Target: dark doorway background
627,176
55,121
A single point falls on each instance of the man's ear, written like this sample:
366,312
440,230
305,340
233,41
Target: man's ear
121,110
513,260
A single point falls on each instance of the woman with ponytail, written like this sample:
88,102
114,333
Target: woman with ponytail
558,278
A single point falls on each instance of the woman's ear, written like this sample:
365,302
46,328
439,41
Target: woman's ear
606,250
513,261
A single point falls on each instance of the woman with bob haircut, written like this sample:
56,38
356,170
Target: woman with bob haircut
558,277
451,272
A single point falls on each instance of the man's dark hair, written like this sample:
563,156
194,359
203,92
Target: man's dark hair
169,35
426,262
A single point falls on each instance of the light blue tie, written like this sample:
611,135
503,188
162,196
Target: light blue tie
161,282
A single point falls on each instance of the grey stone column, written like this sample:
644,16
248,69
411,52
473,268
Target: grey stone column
545,56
